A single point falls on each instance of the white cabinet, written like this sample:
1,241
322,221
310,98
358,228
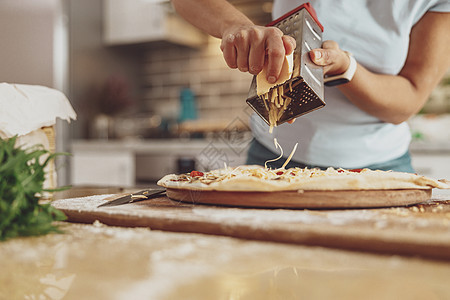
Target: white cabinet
125,163
140,21
104,168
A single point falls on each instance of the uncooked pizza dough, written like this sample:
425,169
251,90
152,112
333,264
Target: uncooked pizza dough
257,178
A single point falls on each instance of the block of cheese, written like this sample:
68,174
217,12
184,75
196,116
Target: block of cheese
263,86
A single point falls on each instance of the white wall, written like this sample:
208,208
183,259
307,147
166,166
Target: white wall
26,41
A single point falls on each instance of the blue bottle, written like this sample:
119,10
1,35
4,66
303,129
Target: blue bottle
188,107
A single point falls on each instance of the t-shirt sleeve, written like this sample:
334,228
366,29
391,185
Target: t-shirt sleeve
431,6
441,6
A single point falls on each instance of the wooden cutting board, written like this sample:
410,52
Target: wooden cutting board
422,230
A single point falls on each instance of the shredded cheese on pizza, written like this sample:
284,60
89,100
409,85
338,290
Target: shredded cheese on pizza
263,179
258,178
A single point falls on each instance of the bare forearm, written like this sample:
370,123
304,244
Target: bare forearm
211,16
395,99
392,99
245,46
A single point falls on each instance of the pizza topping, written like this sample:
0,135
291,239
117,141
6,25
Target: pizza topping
288,175
196,174
264,178
257,178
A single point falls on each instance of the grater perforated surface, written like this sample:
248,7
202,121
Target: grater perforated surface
305,88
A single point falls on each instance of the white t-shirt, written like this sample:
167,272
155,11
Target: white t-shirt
340,134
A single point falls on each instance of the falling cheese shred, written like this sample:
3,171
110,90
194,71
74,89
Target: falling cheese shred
279,157
277,145
290,156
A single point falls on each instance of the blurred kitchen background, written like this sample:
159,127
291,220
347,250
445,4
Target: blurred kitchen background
153,94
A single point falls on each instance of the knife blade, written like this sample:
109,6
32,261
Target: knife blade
134,197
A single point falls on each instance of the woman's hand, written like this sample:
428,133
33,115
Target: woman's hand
248,48
334,60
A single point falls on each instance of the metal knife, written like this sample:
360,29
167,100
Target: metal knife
134,197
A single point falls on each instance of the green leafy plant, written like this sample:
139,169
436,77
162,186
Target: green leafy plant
22,177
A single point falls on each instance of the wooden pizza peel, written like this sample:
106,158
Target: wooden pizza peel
304,199
423,229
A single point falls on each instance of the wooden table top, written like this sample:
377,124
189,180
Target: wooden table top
98,261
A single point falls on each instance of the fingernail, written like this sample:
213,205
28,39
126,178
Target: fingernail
254,69
317,54
293,43
271,79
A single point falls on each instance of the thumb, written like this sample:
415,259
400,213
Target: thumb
320,57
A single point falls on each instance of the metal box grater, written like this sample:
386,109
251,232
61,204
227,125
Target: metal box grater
305,88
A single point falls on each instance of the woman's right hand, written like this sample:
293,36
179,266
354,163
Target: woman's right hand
250,47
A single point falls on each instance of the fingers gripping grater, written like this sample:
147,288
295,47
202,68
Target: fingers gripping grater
305,88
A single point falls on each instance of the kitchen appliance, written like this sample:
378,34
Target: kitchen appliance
305,88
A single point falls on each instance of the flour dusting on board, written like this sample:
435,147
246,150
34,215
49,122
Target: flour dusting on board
153,214
82,203
264,217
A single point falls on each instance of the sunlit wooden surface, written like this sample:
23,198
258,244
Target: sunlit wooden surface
95,261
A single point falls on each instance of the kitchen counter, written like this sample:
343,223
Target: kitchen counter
130,162
158,145
97,261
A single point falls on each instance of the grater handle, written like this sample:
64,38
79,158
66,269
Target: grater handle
306,6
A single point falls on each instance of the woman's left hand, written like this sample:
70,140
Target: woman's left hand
333,59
